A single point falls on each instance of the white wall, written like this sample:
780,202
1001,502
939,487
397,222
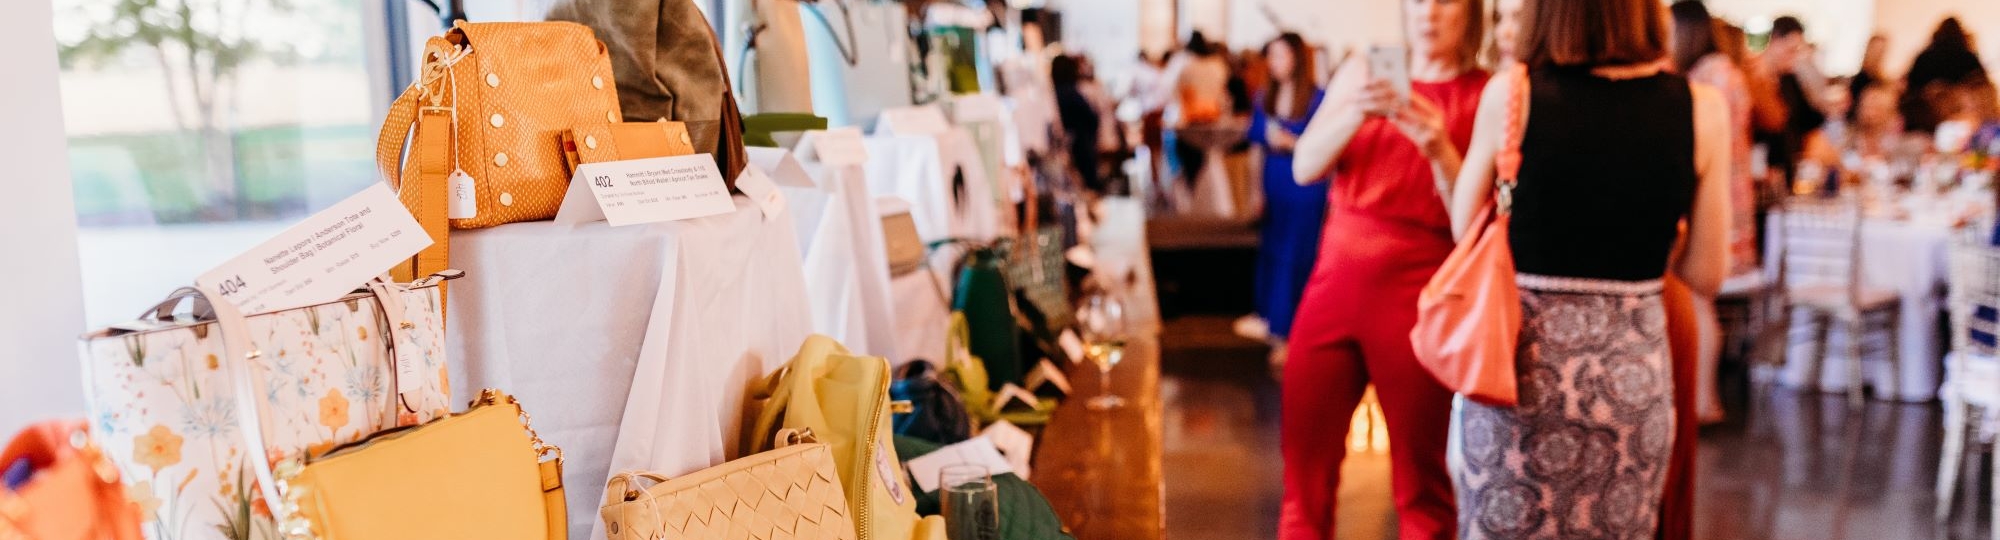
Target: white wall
1840,27
42,311
1338,25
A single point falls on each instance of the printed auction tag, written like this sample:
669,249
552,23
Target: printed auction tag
782,166
920,120
978,108
1071,345
837,147
1015,443
322,258
758,187
650,190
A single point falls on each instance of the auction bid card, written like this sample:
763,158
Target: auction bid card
650,190
322,258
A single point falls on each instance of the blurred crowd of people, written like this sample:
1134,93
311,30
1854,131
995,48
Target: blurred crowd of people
1648,143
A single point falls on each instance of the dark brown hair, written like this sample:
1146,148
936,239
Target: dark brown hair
1592,33
1694,34
1301,79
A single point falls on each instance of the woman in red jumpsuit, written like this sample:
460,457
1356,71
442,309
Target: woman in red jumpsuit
1387,231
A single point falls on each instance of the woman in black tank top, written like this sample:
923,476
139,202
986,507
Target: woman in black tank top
1616,156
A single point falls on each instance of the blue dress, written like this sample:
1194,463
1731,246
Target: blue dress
1293,216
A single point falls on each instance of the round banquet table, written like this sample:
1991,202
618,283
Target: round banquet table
1909,257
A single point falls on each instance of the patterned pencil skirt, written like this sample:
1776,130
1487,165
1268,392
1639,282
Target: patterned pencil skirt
1585,453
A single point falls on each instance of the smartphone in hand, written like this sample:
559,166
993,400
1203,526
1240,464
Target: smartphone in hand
1391,63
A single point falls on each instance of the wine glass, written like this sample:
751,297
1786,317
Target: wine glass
1101,319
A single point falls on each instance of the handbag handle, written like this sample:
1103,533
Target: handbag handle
240,354
1507,163
620,487
164,310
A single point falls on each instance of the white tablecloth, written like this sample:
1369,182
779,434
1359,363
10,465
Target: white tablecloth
847,272
578,325
1909,258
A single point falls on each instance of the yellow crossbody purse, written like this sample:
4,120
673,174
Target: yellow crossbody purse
477,474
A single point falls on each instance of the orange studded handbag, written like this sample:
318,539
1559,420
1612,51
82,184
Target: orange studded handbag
492,102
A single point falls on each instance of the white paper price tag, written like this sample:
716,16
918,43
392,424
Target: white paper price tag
919,121
650,190
837,147
975,451
322,258
782,166
978,108
464,196
1071,345
758,187
1013,442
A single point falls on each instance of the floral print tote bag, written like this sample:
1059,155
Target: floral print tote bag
163,407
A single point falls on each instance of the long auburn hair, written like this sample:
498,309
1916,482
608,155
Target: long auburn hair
1301,79
1592,33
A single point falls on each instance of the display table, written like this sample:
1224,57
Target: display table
672,321
1908,257
1101,470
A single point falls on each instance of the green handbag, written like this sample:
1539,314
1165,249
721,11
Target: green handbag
983,296
1024,513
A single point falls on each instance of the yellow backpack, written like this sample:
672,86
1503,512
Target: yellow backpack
844,399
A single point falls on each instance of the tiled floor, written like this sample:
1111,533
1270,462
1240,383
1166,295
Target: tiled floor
1794,467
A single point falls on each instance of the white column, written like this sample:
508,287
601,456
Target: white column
41,310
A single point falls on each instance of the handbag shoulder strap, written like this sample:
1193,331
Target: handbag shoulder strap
1508,161
426,108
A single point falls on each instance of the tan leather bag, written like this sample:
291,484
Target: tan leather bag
73,493
1469,314
512,89
791,492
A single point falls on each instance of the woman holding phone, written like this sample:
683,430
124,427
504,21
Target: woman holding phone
1389,151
